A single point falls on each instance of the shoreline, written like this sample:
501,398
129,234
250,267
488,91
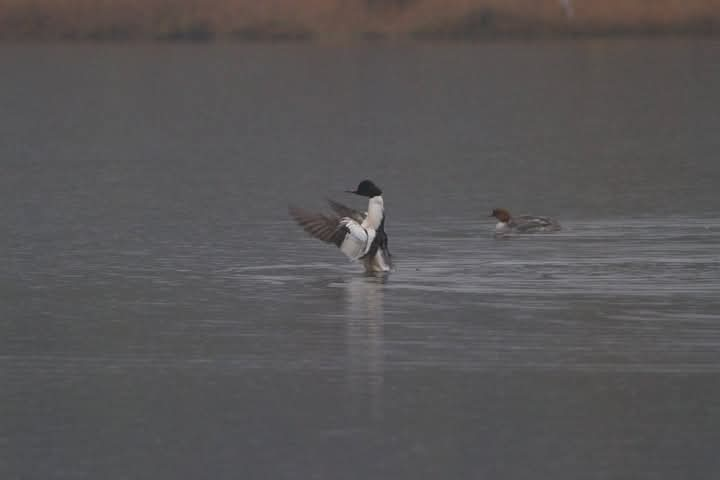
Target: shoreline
366,38
324,21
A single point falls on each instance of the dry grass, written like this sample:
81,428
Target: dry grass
295,20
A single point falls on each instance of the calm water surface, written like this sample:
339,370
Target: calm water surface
162,318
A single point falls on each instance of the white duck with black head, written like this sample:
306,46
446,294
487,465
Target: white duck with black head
359,235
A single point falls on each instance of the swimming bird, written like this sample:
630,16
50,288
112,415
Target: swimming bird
359,235
508,224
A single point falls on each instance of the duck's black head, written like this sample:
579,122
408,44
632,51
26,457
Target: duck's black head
366,188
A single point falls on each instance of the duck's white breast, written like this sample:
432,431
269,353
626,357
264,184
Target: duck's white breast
502,227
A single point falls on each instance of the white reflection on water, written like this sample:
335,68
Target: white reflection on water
364,336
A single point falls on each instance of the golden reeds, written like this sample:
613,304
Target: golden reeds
294,20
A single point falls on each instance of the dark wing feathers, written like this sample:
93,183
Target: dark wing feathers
323,227
344,211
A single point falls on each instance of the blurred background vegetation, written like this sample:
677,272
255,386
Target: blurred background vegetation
330,20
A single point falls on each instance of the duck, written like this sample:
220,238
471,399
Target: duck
359,235
507,224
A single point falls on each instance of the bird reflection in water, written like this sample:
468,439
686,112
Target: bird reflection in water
364,337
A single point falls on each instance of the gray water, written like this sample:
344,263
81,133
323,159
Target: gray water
163,318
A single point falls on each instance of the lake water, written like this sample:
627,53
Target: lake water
163,318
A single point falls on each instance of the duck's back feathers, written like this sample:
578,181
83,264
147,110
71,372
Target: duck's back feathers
530,223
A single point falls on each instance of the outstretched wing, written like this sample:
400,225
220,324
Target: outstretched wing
345,233
326,228
348,212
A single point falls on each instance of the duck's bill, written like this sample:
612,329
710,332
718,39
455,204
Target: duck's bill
350,191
